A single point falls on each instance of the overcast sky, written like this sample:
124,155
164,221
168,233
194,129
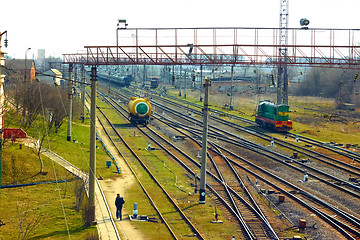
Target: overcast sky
67,26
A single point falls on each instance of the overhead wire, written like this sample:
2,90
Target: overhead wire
53,165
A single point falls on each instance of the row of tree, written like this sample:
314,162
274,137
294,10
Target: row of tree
36,99
342,85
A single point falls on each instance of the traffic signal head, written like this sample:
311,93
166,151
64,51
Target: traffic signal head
304,22
6,42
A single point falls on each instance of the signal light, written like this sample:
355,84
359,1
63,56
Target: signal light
304,22
6,43
356,77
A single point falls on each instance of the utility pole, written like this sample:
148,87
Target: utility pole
70,96
185,82
26,90
180,79
92,169
204,143
201,83
282,86
231,107
2,99
82,93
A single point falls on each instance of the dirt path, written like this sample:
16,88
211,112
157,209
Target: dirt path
119,184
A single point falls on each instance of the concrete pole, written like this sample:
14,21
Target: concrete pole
231,107
180,79
201,83
204,143
82,93
185,82
70,96
75,75
92,169
279,96
286,85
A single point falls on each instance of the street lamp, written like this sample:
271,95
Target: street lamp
25,62
26,88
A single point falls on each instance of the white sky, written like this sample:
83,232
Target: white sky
66,26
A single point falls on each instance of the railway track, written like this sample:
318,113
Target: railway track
327,178
324,159
353,156
349,231
311,170
172,208
334,224
342,221
252,221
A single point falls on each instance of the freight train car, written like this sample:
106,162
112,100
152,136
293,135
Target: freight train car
273,116
139,110
119,81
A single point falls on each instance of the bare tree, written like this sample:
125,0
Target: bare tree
36,99
58,109
79,193
339,84
37,148
28,220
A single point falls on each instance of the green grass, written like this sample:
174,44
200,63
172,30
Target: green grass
47,202
22,166
79,154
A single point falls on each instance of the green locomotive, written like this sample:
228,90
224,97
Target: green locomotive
273,116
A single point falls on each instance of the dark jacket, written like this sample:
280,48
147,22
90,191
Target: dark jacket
119,201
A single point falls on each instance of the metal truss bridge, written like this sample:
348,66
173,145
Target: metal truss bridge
336,48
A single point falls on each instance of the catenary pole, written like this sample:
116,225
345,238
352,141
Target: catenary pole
82,93
92,169
204,143
70,96
231,107
201,83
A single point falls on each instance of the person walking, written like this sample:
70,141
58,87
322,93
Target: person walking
119,202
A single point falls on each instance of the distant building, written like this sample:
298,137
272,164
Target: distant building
41,55
15,70
40,60
52,76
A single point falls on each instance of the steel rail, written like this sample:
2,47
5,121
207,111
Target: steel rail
350,217
336,223
277,154
298,189
255,146
259,134
247,230
141,185
327,146
157,182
